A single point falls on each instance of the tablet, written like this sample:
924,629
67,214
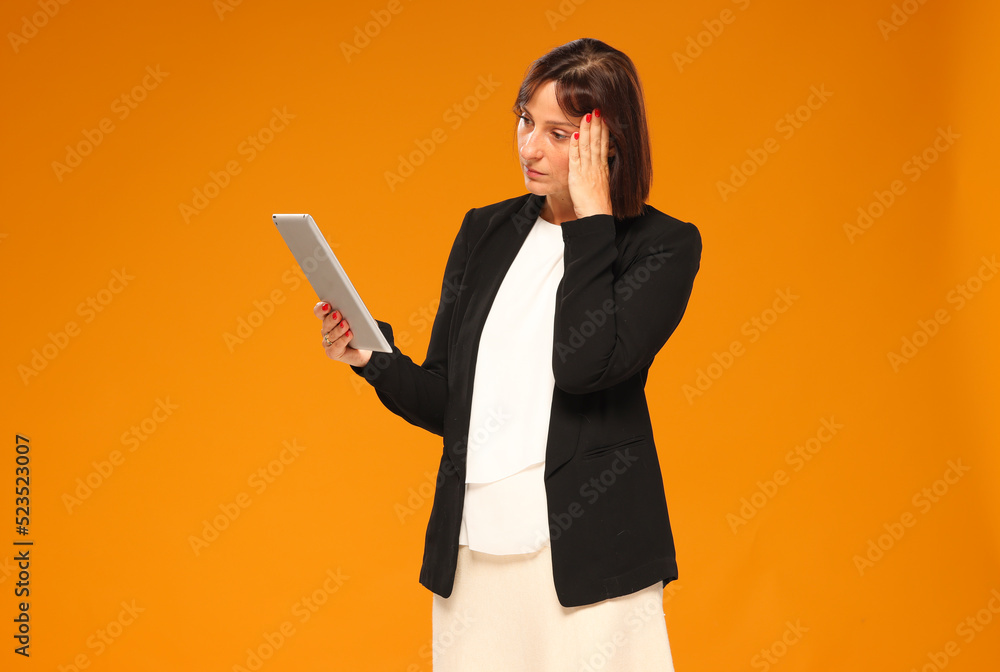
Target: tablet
328,278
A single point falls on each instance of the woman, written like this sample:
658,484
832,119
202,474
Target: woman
549,544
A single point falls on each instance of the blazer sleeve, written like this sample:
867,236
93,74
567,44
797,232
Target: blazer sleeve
608,328
418,393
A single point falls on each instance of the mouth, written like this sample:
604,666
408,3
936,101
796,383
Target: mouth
531,172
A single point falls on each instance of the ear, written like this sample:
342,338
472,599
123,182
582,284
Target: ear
611,148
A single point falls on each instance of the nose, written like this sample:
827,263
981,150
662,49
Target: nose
530,149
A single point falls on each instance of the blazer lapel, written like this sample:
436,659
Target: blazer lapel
488,263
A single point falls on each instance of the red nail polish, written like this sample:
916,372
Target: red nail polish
576,136
325,307
597,113
588,116
335,315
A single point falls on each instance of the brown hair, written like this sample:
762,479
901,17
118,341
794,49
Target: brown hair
590,74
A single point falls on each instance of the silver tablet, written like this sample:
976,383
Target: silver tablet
328,278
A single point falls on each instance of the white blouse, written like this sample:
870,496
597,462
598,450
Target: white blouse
505,505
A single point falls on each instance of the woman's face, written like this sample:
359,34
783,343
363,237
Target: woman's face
543,135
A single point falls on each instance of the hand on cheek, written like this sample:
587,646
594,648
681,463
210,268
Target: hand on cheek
589,175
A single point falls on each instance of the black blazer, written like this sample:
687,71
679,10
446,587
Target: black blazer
625,287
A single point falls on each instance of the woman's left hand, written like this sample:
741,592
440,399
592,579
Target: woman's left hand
589,175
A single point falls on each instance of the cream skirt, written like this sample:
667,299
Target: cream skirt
504,615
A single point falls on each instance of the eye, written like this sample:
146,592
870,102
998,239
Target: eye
557,134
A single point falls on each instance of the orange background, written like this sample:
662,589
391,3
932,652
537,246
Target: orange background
355,499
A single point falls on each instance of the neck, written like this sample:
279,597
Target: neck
557,211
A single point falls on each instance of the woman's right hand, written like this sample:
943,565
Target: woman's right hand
337,334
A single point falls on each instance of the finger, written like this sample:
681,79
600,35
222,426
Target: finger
574,151
335,333
337,350
332,319
597,137
342,328
585,140
603,141
344,334
319,311
331,324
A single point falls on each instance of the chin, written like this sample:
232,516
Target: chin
534,187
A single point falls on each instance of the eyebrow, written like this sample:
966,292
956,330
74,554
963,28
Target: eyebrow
553,123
